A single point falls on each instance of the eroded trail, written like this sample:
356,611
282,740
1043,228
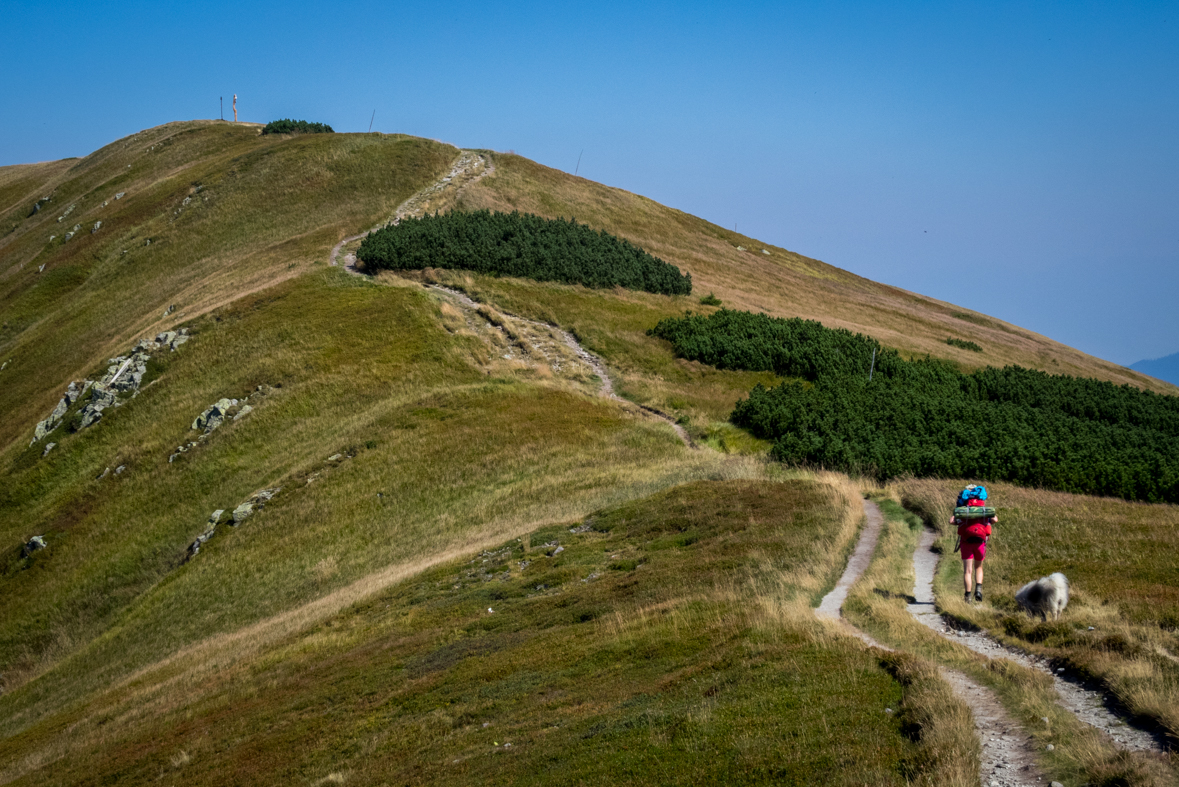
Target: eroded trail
1007,757
1090,706
582,355
468,169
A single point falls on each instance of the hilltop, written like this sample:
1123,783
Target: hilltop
328,526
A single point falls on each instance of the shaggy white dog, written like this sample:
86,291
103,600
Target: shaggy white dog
1044,595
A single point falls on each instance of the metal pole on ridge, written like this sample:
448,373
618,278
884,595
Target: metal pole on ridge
371,119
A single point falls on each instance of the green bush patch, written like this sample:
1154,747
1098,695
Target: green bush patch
521,245
926,418
964,344
286,126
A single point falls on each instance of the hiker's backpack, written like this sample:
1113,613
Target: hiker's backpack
972,492
972,503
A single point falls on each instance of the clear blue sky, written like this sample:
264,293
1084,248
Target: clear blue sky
1020,159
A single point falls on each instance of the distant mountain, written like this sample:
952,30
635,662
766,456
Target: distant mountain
1165,368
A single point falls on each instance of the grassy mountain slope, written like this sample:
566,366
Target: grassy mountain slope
647,648
405,437
784,283
210,211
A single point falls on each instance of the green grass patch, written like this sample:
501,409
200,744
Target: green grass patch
516,666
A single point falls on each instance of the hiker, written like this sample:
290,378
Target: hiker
973,518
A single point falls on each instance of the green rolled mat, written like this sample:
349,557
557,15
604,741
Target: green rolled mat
973,512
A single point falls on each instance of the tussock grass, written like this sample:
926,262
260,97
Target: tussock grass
1120,625
877,604
458,458
640,652
323,638
947,750
227,212
613,325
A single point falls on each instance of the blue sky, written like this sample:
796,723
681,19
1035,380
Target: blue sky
1020,159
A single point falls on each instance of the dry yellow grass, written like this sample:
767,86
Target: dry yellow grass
783,283
877,604
1121,622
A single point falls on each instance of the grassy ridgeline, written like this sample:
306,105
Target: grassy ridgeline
522,245
926,418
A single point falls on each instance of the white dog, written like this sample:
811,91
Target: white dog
1044,595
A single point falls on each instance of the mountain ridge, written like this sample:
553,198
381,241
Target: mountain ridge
1165,368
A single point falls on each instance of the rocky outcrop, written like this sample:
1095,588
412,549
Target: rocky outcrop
75,391
216,518
34,544
219,517
123,376
216,415
254,502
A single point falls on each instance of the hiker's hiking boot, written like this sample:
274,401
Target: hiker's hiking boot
967,597
978,592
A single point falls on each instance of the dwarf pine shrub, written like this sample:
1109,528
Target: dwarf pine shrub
287,126
925,418
964,344
524,245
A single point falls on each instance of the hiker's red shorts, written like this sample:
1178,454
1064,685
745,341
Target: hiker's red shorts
974,551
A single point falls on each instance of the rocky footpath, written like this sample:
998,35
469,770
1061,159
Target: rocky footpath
121,381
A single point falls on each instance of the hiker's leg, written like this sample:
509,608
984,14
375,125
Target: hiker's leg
967,573
978,572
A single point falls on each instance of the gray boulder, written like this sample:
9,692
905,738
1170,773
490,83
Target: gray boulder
49,447
34,544
215,416
242,511
255,501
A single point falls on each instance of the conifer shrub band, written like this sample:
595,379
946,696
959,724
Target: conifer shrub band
287,126
925,418
523,245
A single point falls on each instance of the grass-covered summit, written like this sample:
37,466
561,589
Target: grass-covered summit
521,245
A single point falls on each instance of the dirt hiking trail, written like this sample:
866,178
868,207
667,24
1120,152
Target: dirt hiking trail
1092,706
469,168
1008,758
